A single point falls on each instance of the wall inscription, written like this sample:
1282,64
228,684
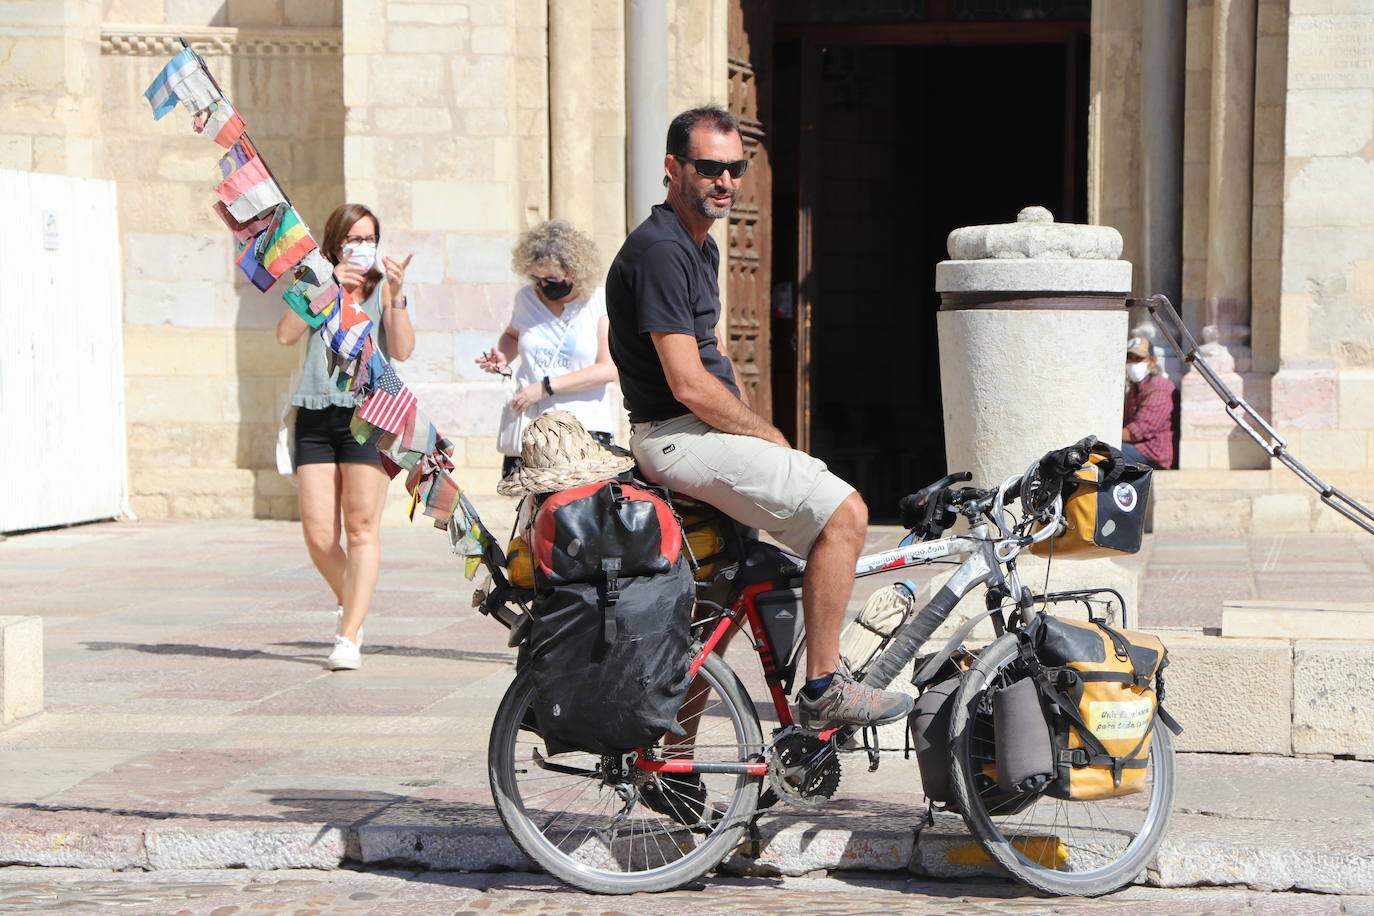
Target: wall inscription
1331,52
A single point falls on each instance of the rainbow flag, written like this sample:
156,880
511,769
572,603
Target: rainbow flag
287,245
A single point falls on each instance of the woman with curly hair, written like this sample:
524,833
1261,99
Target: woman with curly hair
559,331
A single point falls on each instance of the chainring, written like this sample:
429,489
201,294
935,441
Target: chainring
790,750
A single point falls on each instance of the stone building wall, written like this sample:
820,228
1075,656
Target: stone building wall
205,375
1114,122
1324,391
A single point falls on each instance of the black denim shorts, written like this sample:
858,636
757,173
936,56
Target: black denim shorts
323,437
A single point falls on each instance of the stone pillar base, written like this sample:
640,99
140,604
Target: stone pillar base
1209,438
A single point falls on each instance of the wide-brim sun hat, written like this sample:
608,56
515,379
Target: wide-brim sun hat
557,453
1138,346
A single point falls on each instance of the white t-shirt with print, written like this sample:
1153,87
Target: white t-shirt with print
540,332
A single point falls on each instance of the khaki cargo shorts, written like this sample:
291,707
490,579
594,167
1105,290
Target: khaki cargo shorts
759,484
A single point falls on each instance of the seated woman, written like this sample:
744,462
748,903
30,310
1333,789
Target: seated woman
1148,436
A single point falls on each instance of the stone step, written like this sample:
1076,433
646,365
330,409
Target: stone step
1244,502
1297,620
1270,696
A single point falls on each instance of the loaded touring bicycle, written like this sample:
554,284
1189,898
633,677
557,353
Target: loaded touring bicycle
1050,741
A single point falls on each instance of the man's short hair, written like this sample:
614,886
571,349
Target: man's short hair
680,130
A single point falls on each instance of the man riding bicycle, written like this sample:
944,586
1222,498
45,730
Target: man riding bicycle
694,433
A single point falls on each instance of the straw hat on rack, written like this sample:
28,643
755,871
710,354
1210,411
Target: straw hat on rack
557,453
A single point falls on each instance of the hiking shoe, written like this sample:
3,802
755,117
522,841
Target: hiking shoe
347,655
846,703
682,797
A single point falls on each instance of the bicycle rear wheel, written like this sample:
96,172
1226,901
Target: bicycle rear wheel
1082,848
569,813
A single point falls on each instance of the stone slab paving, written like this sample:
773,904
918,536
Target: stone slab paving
190,724
416,893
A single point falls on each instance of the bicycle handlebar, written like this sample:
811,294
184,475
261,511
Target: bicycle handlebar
932,509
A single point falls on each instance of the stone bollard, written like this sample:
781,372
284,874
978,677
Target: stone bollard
1032,331
21,667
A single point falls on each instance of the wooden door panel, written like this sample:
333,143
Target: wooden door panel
749,255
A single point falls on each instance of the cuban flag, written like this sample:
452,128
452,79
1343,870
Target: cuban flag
161,93
343,332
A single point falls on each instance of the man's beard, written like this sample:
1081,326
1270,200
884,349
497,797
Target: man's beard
701,201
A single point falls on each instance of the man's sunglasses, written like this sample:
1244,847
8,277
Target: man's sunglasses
711,168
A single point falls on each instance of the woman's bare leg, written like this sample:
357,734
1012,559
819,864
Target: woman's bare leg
364,494
318,490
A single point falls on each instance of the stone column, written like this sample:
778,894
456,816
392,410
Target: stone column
1161,90
1209,439
1032,331
646,86
572,84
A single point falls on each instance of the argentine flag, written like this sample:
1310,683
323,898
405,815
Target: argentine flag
161,94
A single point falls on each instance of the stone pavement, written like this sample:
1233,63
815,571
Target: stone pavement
190,724
245,892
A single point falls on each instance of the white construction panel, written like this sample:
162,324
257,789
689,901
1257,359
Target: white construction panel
62,440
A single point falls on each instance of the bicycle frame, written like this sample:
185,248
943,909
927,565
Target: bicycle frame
981,566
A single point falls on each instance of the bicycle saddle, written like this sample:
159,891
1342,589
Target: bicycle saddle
763,562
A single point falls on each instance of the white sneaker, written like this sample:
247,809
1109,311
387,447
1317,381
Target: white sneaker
338,624
347,655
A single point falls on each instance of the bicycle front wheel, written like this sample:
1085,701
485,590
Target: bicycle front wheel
1082,848
595,829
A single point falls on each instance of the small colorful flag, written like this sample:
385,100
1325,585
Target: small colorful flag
249,191
314,268
345,341
238,156
442,498
289,242
324,301
244,231
252,268
389,404
221,123
296,297
361,429
161,92
391,467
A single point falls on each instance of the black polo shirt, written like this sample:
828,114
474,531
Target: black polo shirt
661,281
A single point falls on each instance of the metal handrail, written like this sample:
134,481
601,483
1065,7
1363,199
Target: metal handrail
1185,345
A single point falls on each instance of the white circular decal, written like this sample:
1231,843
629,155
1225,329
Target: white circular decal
1125,497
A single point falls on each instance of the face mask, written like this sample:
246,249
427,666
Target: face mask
555,289
1136,372
362,255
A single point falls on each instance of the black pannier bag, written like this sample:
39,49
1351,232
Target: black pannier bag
611,618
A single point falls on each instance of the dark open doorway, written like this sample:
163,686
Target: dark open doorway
894,145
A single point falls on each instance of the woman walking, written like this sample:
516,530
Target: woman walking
341,484
558,329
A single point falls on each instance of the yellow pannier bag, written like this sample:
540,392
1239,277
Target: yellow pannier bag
705,529
519,566
1103,686
1104,508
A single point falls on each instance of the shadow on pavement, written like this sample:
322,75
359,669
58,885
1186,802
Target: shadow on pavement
314,646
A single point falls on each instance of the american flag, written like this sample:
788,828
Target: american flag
390,404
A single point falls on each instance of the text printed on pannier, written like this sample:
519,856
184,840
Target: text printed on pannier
1120,721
